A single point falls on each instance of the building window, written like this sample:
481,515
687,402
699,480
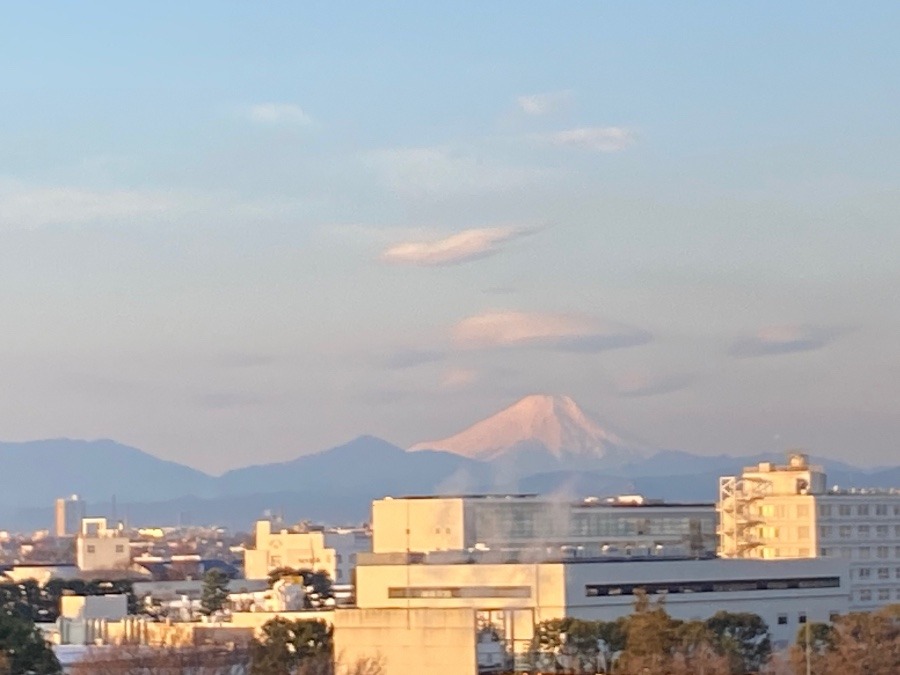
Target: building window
803,532
825,531
337,558
897,530
884,573
863,530
865,595
782,619
884,593
802,552
865,553
90,548
864,573
844,510
845,531
882,552
825,510
120,548
803,511
881,531
881,510
824,552
801,618
862,510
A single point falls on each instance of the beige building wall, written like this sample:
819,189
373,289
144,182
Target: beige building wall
432,524
482,586
406,642
299,550
776,512
98,548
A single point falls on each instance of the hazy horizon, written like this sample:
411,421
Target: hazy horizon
232,233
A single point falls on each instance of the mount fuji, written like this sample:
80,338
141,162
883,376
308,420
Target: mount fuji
540,433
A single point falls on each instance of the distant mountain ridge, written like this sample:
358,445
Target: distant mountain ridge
539,444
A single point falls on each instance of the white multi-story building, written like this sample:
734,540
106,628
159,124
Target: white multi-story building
99,548
775,512
785,593
332,551
626,525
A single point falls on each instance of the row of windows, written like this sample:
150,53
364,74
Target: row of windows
880,594
398,592
847,531
877,573
846,510
860,552
729,586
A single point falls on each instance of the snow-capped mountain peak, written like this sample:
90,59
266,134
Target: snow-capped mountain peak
556,423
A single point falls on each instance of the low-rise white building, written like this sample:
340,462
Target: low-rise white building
333,551
458,523
785,593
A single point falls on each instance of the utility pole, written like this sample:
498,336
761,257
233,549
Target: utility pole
808,652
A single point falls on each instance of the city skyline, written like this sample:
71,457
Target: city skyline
235,234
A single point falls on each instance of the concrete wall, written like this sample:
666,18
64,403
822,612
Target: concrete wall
433,641
419,525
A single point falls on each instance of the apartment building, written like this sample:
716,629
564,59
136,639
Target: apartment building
101,548
332,551
628,525
787,511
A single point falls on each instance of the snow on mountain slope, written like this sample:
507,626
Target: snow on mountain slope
554,422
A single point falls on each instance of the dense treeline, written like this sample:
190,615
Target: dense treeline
861,643
649,641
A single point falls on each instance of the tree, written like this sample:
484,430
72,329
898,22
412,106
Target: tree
23,648
742,637
215,592
286,645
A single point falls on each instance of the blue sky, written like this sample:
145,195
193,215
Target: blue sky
238,232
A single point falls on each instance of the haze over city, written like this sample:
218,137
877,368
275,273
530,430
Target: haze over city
235,233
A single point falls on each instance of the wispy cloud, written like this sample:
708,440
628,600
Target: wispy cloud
774,340
565,332
279,113
458,378
27,206
538,105
638,385
452,250
595,139
442,171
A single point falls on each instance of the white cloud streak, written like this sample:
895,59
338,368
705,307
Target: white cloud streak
457,248
279,113
594,139
538,105
563,332
775,340
27,207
